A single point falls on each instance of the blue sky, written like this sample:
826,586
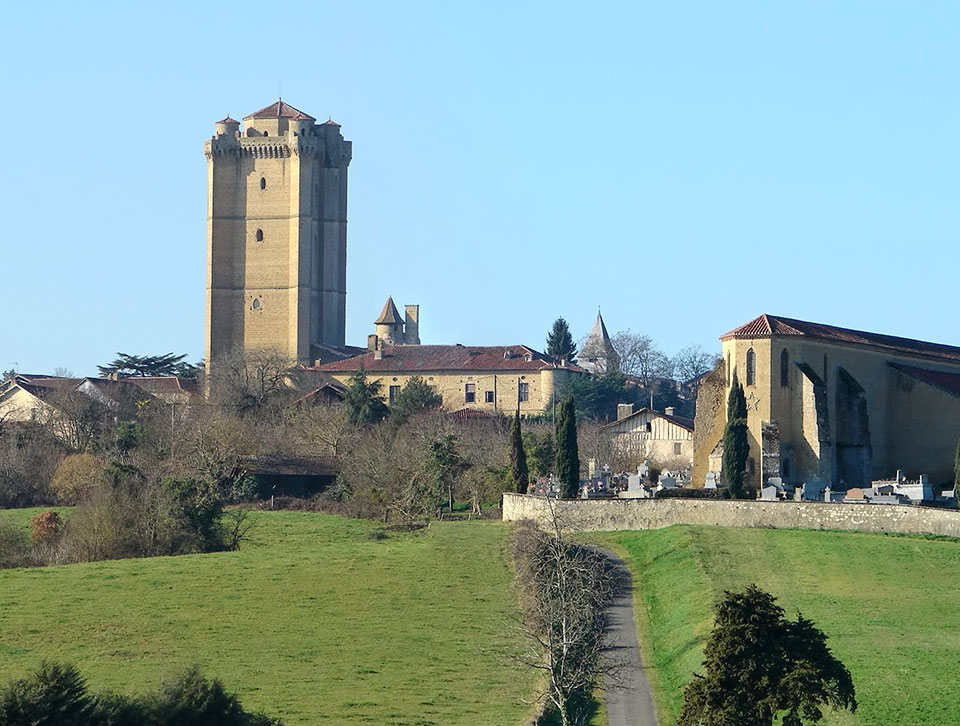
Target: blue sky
685,166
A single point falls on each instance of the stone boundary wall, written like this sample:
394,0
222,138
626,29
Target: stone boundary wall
590,515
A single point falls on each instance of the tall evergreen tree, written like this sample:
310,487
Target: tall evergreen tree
363,401
518,457
736,447
568,457
560,343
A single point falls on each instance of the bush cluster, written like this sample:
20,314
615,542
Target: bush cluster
57,694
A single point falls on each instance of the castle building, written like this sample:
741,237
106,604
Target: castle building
276,235
394,330
832,405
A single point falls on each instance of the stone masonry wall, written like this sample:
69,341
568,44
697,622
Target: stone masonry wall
619,514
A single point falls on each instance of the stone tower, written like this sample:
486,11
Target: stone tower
276,234
598,354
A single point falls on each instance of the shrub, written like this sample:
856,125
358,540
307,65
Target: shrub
46,526
55,694
192,700
77,476
14,547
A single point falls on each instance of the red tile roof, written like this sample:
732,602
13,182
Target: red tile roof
433,358
948,382
768,326
164,384
281,109
227,120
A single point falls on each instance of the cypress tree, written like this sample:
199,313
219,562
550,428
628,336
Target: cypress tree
736,447
518,457
560,343
568,457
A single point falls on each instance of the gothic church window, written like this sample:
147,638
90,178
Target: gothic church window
259,235
256,303
784,368
751,367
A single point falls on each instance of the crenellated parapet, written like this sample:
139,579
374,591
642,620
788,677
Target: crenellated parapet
334,152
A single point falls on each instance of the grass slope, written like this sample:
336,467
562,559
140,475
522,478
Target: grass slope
314,622
888,605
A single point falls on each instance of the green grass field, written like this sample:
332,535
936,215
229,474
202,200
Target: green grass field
888,604
315,621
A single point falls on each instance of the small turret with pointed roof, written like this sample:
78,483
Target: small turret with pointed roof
598,354
389,325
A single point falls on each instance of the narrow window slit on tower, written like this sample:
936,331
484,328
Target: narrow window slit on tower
263,182
259,235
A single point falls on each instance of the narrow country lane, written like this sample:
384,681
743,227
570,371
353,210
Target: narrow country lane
629,701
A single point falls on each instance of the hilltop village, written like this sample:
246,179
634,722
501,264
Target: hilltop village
830,412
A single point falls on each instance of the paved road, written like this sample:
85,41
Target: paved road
629,702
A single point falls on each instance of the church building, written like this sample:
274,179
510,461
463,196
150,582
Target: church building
832,405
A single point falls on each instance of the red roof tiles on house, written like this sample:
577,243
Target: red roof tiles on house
422,358
769,326
280,109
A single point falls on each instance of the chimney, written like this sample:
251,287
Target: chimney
372,343
669,410
624,410
411,324
317,363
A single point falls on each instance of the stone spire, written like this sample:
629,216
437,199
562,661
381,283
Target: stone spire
598,354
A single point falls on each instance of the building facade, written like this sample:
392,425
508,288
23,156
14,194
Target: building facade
663,439
492,379
276,234
838,406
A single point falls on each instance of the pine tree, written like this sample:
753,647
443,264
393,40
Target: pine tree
568,457
560,343
736,447
518,457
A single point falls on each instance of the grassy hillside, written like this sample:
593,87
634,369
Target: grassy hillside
888,605
316,621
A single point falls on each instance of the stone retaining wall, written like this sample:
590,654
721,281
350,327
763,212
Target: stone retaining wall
617,514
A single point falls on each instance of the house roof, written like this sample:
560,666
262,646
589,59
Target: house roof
280,109
389,315
422,358
681,421
770,326
288,465
164,384
947,382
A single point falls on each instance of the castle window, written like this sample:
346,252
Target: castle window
255,304
394,392
751,367
784,368
470,393
489,397
259,235
523,392
263,182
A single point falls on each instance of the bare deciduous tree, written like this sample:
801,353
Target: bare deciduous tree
565,589
640,357
692,361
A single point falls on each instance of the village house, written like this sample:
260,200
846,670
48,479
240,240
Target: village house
833,405
664,439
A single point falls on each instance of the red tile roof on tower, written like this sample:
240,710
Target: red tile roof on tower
769,326
280,109
228,120
444,358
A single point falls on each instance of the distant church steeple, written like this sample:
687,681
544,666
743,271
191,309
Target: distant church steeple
598,354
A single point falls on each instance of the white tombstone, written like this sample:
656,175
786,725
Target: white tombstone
711,481
768,494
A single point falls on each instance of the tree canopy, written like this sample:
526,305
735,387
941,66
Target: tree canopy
166,364
596,397
760,666
363,400
560,343
415,397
